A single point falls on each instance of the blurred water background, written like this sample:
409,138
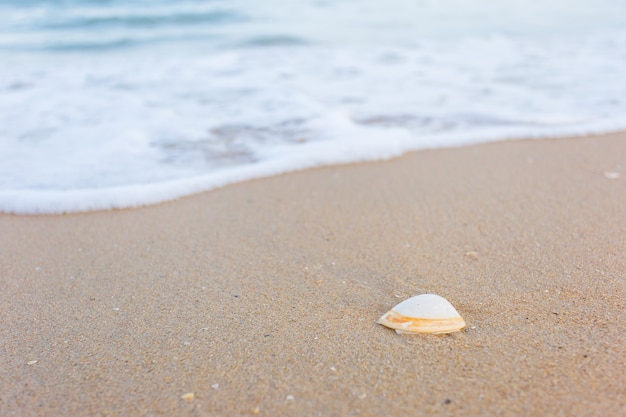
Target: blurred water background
117,103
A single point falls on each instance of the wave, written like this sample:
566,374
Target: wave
142,20
124,103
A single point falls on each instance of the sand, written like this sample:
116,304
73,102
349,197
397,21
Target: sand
261,298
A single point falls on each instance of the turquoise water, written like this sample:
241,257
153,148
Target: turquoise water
120,103
92,25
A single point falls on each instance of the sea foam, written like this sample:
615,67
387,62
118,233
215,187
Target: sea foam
118,105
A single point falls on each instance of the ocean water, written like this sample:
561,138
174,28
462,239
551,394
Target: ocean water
119,103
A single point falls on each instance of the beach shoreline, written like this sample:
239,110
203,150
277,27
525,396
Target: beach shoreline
261,298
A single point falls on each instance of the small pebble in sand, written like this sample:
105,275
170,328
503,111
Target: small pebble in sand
188,396
332,368
256,410
289,397
116,309
215,386
472,254
611,175
32,362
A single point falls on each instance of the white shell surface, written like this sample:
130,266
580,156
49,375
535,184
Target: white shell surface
427,306
425,313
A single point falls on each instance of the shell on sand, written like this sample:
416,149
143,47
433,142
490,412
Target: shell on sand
425,313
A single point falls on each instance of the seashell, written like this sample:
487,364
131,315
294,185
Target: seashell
425,313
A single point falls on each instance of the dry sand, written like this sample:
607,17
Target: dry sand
262,298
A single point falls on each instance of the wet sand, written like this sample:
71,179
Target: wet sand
261,298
